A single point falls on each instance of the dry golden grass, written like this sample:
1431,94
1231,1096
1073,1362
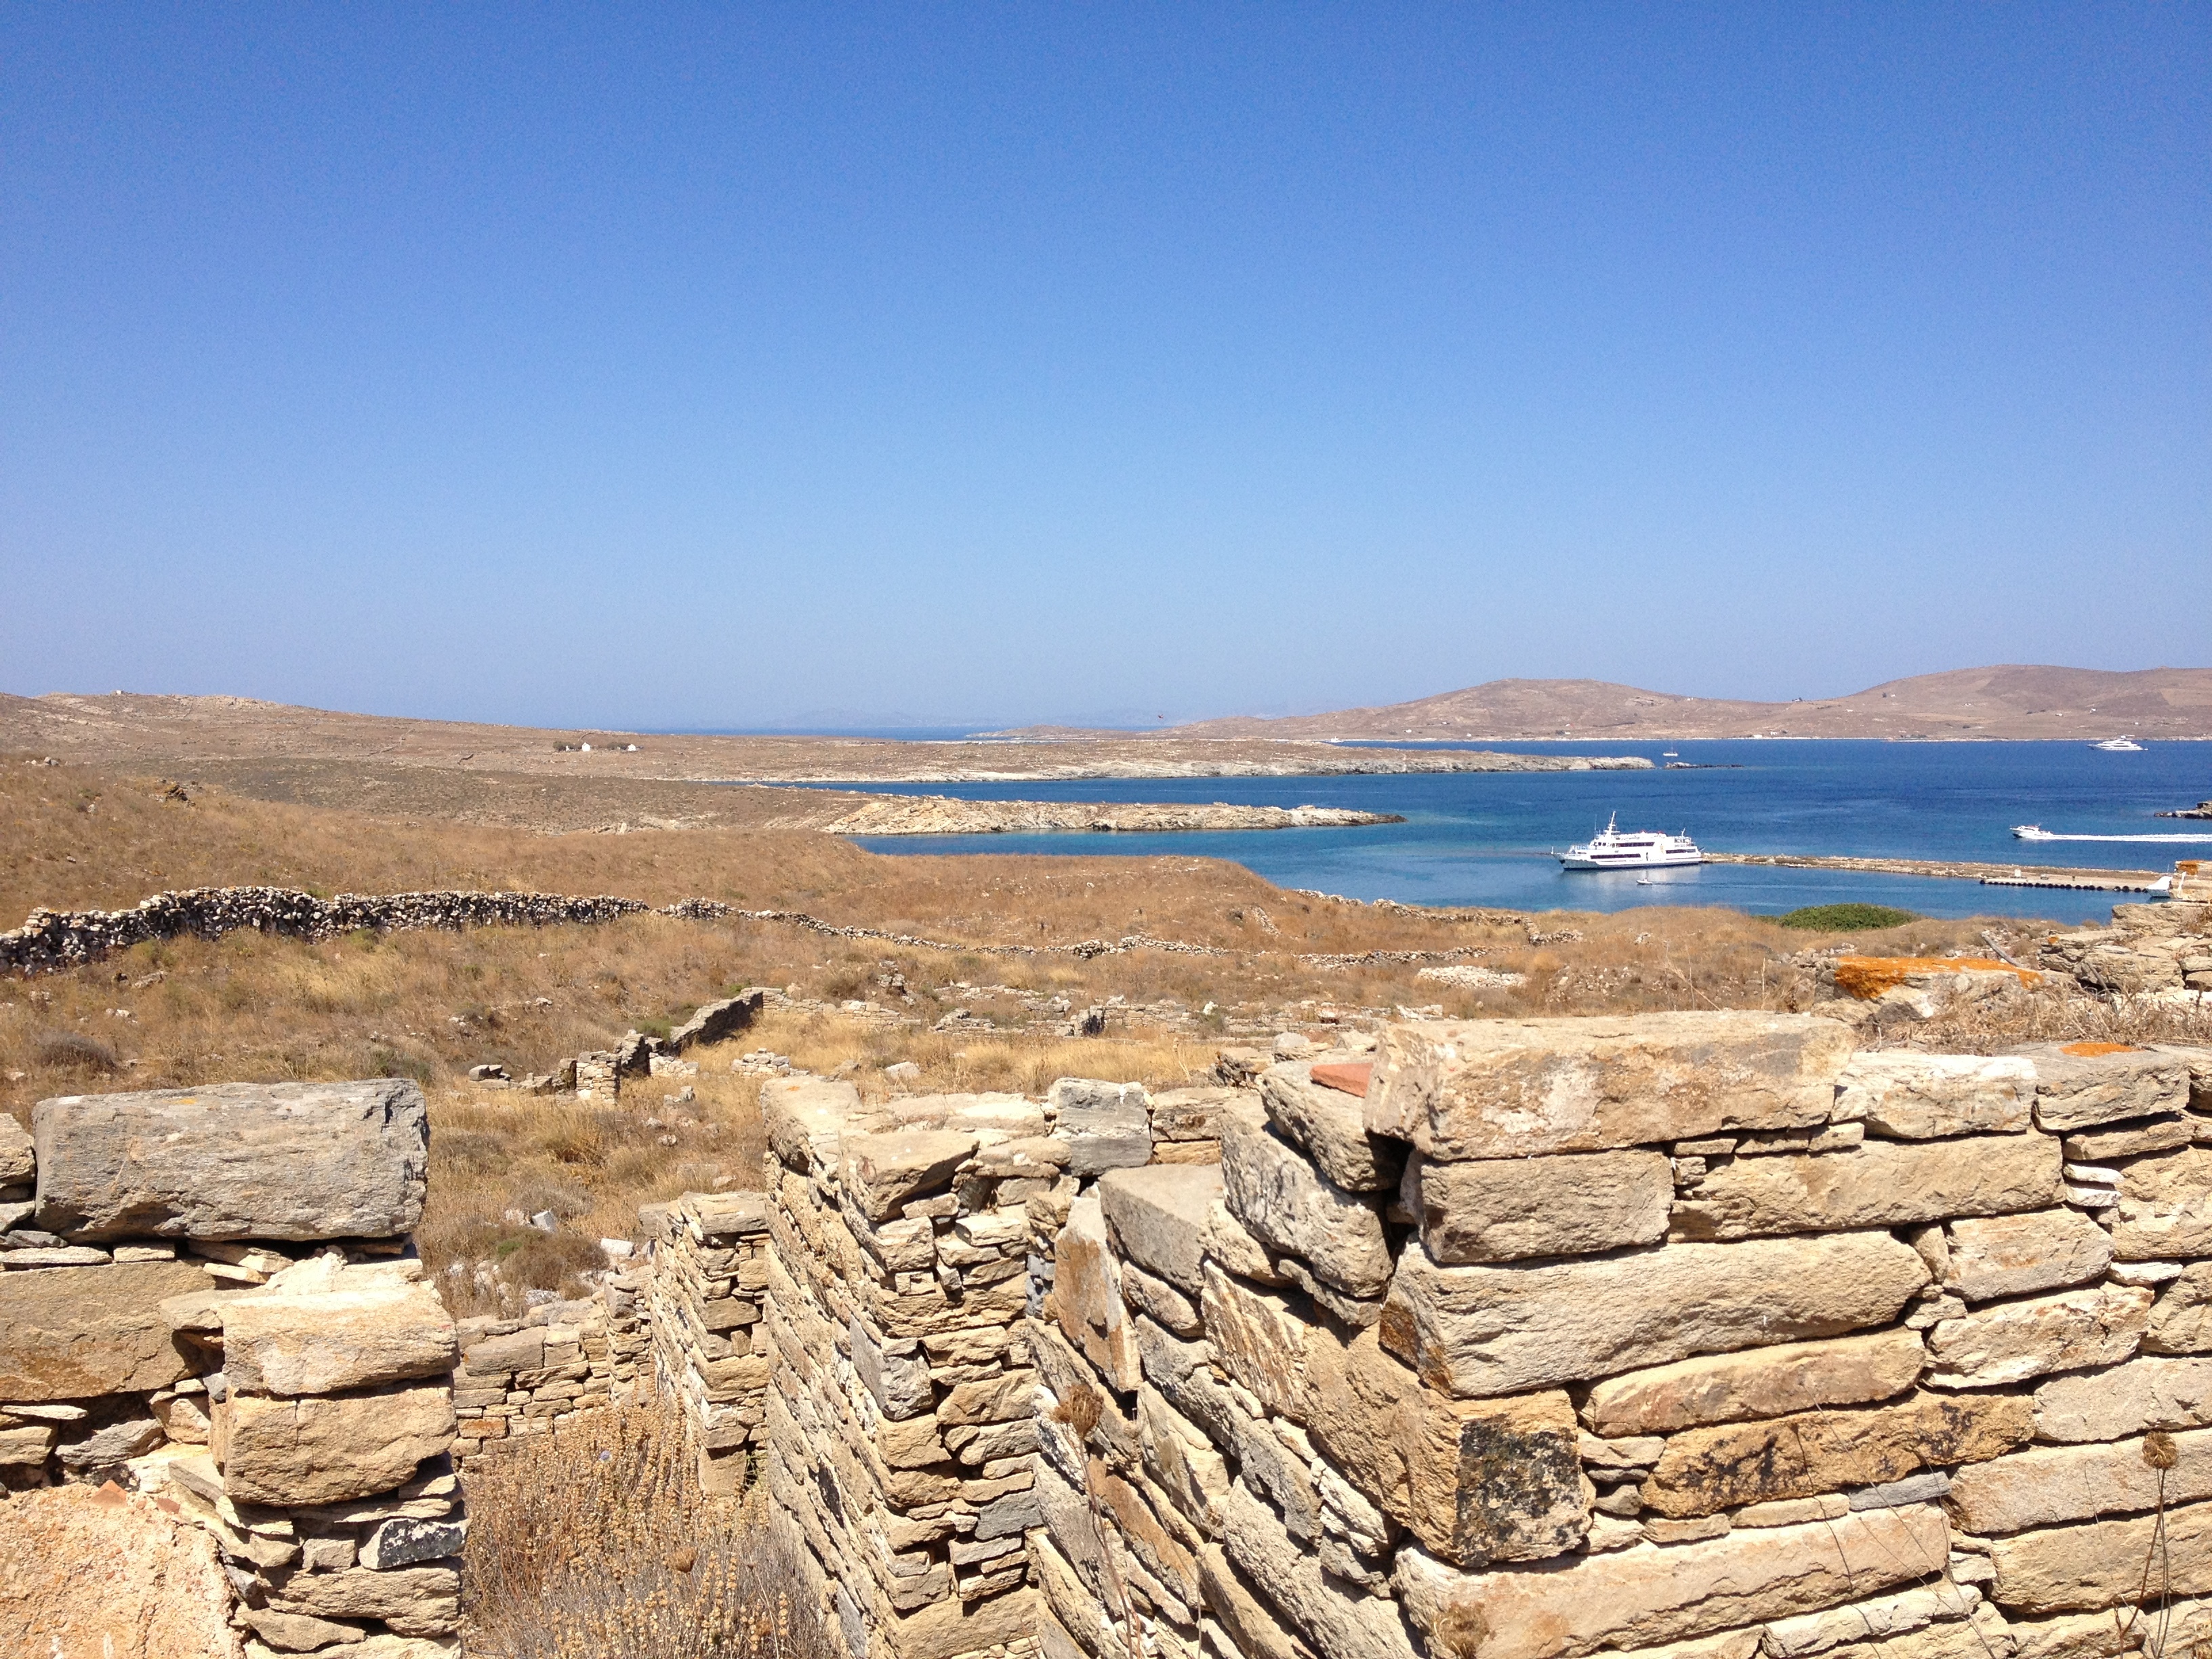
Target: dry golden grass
594,1541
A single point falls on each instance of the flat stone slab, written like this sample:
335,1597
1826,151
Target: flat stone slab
77,1332
238,1160
1158,1215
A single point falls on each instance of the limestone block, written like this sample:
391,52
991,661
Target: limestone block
2016,1254
25,1445
1879,1183
1181,1460
2182,1320
715,1021
1328,1126
805,1118
75,1333
17,1161
1253,1626
2101,1564
2011,1342
1228,1243
1289,1206
1476,1331
1000,1398
1340,1622
1183,1373
327,1449
1476,1481
2164,1211
1867,1623
1261,1340
2047,1485
2126,1399
1775,1381
1271,1470
2160,1135
1108,1125
1471,1089
1157,1217
347,1337
1086,1290
1915,1097
1704,1470
1161,1301
418,1600
2078,1087
1642,1597
1506,1209
883,1171
236,1160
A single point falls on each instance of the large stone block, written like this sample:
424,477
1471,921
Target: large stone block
1477,1330
1261,1338
2018,1255
410,1598
2012,1341
2182,1320
353,1335
1159,1213
326,1450
2080,1084
2105,1564
2126,1399
1289,1206
1108,1125
1470,1089
18,1163
1476,1481
1513,1208
236,1160
2048,1486
1777,1382
1915,1097
715,1022
1330,1126
1881,1183
1702,1470
883,1171
1086,1292
77,1332
805,1118
2164,1211
1643,1597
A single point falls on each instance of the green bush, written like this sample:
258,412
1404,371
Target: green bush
1846,918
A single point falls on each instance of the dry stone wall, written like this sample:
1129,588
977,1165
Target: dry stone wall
210,1297
519,1377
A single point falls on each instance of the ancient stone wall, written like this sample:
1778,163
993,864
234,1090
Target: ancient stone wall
709,1349
209,1299
520,1376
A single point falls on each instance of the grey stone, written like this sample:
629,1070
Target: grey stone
404,1543
1288,1206
1108,1125
1894,1494
715,1021
1915,1096
1158,1216
1327,1123
112,1445
894,1369
236,1160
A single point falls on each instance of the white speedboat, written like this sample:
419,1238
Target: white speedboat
2119,746
2032,832
1630,849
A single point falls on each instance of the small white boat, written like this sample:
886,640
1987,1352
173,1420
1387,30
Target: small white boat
2032,832
2119,746
1631,849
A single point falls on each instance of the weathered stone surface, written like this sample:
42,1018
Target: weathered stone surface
2160,1135
2012,1341
1188,1114
102,1574
1704,1470
883,1171
1086,1290
404,1542
1476,1481
715,1021
297,1632
2047,1485
1870,1627
2101,1564
74,1333
1640,1597
1158,1215
1255,1628
1915,1097
17,1161
1259,1339
2127,1400
25,1445
1151,1294
347,1337
1879,1183
327,1450
413,1599
1108,1125
1508,1209
1180,1459
2017,1254
237,1160
2182,1320
1288,1206
1777,1382
1483,1330
2077,1087
113,1444
1340,1620
2164,1211
805,1118
1469,1088
892,1369
1327,1124
1228,1243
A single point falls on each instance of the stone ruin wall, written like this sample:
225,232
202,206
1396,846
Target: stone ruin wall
226,1396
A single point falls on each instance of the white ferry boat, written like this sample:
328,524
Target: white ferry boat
1632,849
2119,746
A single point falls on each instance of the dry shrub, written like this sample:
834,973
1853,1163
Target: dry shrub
1995,1023
593,1541
73,1051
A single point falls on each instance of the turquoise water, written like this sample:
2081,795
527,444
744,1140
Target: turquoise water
1484,838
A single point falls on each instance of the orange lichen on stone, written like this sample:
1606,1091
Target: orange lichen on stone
1348,1079
1868,977
2090,1049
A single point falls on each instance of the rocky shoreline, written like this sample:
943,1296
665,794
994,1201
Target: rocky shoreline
1161,757
942,815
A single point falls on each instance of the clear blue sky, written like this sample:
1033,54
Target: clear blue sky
726,366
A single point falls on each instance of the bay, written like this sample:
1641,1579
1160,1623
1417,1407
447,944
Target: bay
1486,838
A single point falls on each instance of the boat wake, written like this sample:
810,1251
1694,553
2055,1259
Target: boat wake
2034,832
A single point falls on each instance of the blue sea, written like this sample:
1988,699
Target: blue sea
1485,838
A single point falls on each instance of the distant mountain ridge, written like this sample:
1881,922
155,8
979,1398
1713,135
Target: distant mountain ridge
2010,700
